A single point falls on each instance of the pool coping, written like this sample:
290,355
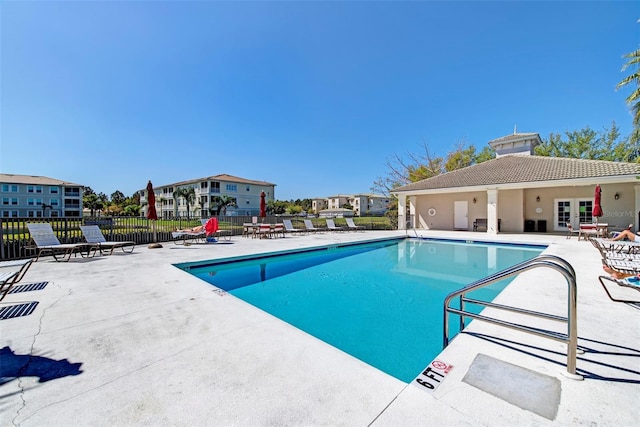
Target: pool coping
157,347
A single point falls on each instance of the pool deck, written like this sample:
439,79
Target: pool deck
129,339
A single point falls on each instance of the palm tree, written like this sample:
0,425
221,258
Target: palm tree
221,203
634,81
189,196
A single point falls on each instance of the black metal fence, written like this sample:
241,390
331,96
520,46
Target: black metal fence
16,240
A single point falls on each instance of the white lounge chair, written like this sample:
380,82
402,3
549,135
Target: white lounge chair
46,241
352,226
92,234
310,227
289,228
331,225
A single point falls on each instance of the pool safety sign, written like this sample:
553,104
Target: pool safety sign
432,376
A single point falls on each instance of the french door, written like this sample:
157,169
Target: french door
572,211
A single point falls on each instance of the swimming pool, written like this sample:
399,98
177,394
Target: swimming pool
379,301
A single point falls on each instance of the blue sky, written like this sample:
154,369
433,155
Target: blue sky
314,97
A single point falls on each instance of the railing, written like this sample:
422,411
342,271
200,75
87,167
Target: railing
15,240
550,261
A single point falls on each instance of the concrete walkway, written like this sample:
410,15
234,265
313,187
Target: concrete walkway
131,340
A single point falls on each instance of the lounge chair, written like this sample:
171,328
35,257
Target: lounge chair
331,225
289,228
11,272
630,282
209,229
616,249
46,241
310,227
92,234
352,226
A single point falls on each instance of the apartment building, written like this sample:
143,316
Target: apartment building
360,204
39,197
246,192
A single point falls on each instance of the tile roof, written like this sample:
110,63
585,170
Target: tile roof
521,169
8,178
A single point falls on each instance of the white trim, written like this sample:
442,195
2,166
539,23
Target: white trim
618,179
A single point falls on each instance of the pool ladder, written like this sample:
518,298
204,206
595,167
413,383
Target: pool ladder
549,261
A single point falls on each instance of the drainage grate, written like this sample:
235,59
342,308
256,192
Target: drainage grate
18,310
28,287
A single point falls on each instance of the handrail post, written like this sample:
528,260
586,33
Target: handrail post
551,261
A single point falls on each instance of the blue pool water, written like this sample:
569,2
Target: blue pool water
380,302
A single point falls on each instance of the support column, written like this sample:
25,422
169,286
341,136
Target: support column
402,212
492,211
636,213
411,213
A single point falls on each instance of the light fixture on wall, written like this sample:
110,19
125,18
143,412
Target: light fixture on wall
616,196
537,198
474,200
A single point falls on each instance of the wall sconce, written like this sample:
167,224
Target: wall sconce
616,196
474,200
537,198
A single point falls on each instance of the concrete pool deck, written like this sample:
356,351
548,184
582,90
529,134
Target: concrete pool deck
129,339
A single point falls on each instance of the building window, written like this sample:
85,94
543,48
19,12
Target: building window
34,189
72,192
54,202
232,187
34,214
54,190
204,184
248,188
215,187
10,214
54,214
6,188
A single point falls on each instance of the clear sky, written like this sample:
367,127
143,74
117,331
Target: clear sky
314,97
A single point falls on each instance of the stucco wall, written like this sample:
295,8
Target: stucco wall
516,206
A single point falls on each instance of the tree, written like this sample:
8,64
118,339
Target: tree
91,201
426,165
589,144
189,196
219,204
117,197
633,80
276,207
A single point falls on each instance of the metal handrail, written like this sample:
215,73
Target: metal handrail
550,261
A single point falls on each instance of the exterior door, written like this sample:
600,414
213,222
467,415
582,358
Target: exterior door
460,215
573,211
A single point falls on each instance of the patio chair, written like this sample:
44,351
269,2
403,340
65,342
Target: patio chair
92,234
587,230
572,231
11,272
46,241
278,230
331,225
352,226
265,231
289,228
310,227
